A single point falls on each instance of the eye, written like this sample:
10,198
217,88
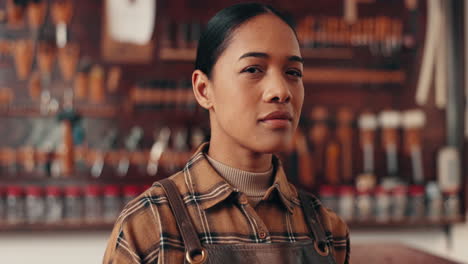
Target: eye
295,73
252,69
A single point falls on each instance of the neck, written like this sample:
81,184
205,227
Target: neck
231,153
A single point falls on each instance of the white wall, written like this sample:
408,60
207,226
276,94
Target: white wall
88,247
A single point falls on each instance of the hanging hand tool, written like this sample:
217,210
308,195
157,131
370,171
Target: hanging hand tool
413,122
36,11
68,58
15,12
367,126
345,137
158,148
107,143
318,135
62,12
434,56
131,145
304,162
390,121
23,56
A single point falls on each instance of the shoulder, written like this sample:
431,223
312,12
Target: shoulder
142,225
155,195
330,220
335,228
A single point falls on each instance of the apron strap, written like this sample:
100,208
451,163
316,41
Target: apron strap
313,220
186,228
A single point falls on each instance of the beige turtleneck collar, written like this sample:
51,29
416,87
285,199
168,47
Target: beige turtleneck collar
252,184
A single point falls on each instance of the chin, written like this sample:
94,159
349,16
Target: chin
272,146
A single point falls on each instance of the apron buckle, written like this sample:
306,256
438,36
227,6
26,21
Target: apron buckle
196,256
321,248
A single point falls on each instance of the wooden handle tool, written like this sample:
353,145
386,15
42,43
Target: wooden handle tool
318,135
413,122
367,127
36,11
345,136
23,56
68,58
305,163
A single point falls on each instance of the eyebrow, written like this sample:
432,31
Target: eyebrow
266,56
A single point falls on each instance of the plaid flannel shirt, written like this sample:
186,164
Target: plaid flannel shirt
146,230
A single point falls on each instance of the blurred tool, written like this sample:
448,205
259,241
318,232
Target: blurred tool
96,84
68,117
448,169
332,168
106,145
390,121
434,56
367,127
46,54
318,135
131,145
305,163
113,78
413,122
36,10
68,58
62,12
15,12
23,55
345,137
158,148
197,138
350,11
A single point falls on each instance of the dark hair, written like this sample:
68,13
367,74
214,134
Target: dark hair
214,39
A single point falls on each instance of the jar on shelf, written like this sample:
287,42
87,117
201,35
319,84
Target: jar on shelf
54,204
35,204
14,204
434,208
112,203
451,204
2,203
399,201
130,192
346,202
92,203
382,204
73,204
364,205
417,207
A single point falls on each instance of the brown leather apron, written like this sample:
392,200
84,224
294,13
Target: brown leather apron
316,251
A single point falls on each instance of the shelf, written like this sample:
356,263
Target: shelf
189,54
171,54
59,226
95,111
403,224
327,53
352,76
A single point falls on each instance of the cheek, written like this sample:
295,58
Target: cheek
298,97
236,97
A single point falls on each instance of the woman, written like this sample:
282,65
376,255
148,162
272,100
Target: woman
232,202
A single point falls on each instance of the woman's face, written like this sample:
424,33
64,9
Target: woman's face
256,86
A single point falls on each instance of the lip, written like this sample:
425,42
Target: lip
277,119
277,115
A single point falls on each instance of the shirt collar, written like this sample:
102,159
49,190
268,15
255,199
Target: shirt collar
210,188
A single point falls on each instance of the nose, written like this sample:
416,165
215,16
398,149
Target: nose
277,91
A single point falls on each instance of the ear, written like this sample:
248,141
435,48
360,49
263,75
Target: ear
201,85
